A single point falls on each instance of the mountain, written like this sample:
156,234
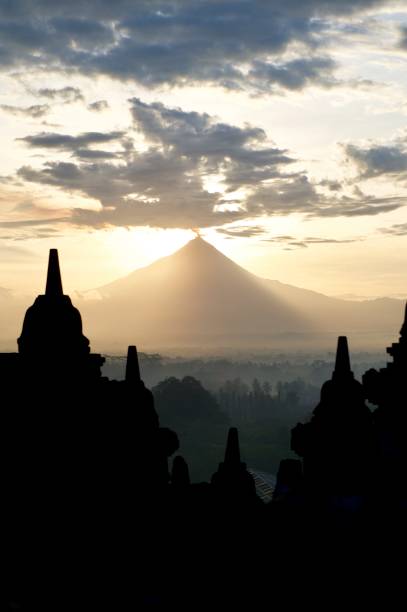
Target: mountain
199,298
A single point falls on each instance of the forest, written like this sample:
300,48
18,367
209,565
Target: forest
264,398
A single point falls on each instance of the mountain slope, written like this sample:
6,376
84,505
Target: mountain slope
380,315
198,297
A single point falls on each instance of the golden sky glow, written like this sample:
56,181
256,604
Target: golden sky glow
301,145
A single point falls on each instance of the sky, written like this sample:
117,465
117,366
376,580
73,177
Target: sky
275,129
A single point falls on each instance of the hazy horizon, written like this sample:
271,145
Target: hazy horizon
199,302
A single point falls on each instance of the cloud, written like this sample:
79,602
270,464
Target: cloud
150,189
243,155
376,159
27,219
293,75
54,140
98,106
291,243
258,231
95,154
66,94
298,194
31,231
201,138
331,185
399,229
312,240
31,222
237,44
358,207
165,184
86,32
35,111
242,231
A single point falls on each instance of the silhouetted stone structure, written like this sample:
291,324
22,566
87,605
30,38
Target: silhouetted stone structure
337,444
232,482
289,482
387,390
52,341
85,457
87,488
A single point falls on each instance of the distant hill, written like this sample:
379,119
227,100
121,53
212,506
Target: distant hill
199,298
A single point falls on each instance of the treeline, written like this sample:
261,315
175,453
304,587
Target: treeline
213,372
201,398
260,401
194,413
264,398
201,418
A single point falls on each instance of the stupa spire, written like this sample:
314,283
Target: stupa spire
54,284
342,361
232,453
132,365
232,481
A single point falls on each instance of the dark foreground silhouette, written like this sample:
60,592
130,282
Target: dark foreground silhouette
93,519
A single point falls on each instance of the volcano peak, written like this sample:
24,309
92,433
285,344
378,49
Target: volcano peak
198,296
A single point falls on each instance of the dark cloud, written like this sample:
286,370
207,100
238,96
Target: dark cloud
290,242
66,94
232,43
242,231
35,111
198,134
85,33
98,106
191,133
243,155
284,195
297,194
379,159
331,185
149,189
293,75
53,140
165,184
95,154
357,207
